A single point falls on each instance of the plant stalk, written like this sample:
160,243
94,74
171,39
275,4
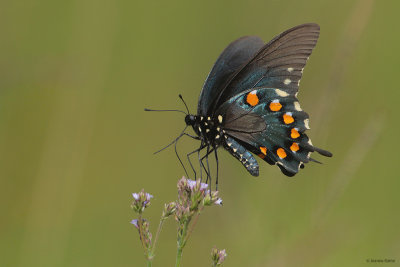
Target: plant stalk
181,244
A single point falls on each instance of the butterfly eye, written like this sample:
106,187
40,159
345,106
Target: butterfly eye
190,120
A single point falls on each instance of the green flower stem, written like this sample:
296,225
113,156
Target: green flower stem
193,225
181,243
160,225
178,257
140,221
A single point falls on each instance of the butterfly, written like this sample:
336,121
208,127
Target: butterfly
248,104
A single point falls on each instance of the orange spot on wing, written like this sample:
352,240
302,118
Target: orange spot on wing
294,133
295,147
287,118
252,98
281,153
275,106
263,152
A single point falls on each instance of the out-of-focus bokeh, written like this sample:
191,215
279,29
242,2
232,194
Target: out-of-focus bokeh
75,142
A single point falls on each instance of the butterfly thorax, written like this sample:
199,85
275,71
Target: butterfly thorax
209,129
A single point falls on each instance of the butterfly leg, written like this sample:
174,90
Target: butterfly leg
190,162
177,155
183,166
192,136
201,169
216,159
208,167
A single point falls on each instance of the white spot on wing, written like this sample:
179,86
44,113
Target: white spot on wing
199,129
306,121
275,101
297,106
298,83
309,142
217,137
207,130
281,93
220,118
290,69
287,81
235,149
254,92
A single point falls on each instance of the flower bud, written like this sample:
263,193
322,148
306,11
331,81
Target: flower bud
169,209
218,256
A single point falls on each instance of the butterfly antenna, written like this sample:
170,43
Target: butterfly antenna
174,141
180,96
177,110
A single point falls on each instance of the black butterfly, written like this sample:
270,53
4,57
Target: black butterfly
248,102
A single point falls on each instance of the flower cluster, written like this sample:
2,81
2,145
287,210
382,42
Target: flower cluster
192,195
141,201
218,256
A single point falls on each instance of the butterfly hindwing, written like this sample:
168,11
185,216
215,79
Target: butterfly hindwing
271,124
235,55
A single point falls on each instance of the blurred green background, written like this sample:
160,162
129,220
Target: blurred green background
75,141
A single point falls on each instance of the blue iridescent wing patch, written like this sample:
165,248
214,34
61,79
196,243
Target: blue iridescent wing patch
271,124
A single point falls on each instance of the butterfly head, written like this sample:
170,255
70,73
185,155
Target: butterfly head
190,120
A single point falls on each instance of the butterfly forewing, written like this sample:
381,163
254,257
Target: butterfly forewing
235,55
278,64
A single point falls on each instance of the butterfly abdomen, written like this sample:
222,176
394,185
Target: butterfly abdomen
242,154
